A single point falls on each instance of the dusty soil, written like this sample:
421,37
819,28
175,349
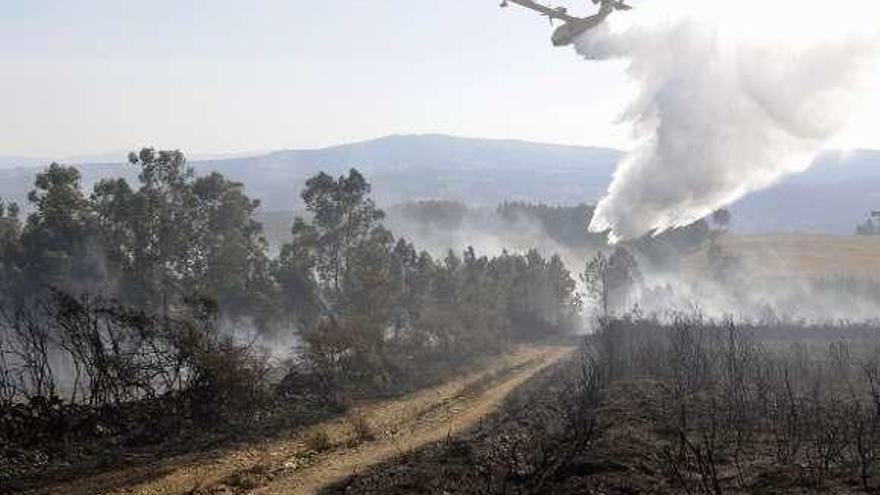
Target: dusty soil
527,449
530,447
797,255
304,461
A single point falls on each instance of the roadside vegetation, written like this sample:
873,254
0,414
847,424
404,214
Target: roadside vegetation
146,319
684,406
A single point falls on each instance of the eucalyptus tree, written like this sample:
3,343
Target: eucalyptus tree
58,239
178,235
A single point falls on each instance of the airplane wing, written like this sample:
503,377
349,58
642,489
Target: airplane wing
549,12
616,4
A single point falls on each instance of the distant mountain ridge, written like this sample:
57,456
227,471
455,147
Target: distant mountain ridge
401,168
831,197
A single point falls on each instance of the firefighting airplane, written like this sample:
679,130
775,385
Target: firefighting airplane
572,26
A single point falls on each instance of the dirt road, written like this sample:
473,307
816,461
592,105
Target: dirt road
304,461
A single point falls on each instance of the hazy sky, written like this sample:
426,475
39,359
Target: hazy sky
91,76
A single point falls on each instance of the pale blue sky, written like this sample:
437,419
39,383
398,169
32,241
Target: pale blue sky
90,76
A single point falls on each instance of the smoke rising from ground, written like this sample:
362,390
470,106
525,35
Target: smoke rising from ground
805,279
732,97
486,232
756,299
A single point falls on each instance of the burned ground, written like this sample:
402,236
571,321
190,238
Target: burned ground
687,407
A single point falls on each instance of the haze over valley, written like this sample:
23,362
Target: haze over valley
831,197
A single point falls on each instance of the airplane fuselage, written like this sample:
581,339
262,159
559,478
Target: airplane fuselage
567,33
572,27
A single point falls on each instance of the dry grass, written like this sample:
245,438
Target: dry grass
796,255
691,408
300,462
361,427
318,440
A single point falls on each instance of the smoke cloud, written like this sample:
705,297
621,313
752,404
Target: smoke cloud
732,97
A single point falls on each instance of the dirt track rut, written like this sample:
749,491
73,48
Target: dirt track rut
368,435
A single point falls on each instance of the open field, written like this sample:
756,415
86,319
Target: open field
303,461
796,255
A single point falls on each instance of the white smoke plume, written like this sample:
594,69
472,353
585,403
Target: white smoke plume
732,97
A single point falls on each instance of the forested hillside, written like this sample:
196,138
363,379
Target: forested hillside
154,299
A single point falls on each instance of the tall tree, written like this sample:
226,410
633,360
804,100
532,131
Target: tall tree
178,235
10,247
151,231
228,256
165,209
371,293
413,271
564,304
295,270
58,238
610,280
343,215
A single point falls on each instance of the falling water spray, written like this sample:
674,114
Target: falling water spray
731,97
